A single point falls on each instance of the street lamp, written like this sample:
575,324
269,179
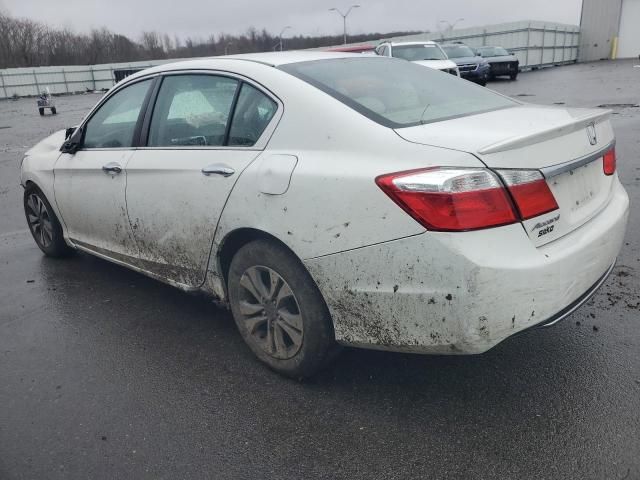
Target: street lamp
452,25
280,36
344,19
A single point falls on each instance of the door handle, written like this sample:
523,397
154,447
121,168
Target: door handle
112,168
218,169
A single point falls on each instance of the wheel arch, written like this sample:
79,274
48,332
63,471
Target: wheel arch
235,240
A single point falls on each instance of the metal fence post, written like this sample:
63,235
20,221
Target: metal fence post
4,89
35,79
93,77
64,79
544,34
526,60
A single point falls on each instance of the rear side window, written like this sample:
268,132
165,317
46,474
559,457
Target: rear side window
253,113
192,110
113,125
397,93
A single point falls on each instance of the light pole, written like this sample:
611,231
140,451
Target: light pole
226,48
280,36
344,19
451,25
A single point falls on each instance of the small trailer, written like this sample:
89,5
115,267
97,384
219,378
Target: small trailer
45,100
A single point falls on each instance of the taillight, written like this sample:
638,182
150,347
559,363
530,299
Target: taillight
609,162
530,192
450,199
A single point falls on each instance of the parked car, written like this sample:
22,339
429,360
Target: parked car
428,54
472,67
501,62
334,198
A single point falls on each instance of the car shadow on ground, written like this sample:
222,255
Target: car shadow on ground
108,300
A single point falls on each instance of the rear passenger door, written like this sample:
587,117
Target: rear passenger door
202,132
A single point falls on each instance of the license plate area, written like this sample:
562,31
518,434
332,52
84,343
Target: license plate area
580,193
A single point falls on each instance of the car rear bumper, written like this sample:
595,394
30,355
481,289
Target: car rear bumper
463,293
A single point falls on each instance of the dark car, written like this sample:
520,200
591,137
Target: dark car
472,67
501,61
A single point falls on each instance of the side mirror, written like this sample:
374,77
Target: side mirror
72,140
68,132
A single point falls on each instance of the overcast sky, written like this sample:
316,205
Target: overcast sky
201,18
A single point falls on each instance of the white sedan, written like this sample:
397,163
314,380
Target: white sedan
336,199
428,54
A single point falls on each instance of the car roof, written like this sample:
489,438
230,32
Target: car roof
425,42
272,59
275,59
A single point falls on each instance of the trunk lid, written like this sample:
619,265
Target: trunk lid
567,145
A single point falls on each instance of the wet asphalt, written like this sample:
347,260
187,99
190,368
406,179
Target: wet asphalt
106,374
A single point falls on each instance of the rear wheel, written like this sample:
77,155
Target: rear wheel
513,76
279,310
41,111
44,224
53,110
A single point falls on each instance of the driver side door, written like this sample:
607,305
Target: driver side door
90,184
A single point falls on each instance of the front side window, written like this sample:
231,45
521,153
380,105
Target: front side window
114,124
253,113
396,93
415,53
192,110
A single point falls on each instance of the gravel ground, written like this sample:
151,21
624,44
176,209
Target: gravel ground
107,374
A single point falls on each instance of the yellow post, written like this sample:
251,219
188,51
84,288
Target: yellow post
614,48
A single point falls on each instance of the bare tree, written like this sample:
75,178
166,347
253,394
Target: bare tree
26,43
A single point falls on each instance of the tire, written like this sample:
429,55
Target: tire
483,82
53,110
41,111
292,334
514,76
43,224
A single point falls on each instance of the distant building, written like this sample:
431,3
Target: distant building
609,29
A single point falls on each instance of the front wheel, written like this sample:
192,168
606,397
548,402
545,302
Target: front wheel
44,224
53,110
279,310
41,111
513,76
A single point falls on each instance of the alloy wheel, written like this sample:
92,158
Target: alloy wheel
39,220
270,312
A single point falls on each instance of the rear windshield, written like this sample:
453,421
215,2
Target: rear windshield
415,53
397,93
